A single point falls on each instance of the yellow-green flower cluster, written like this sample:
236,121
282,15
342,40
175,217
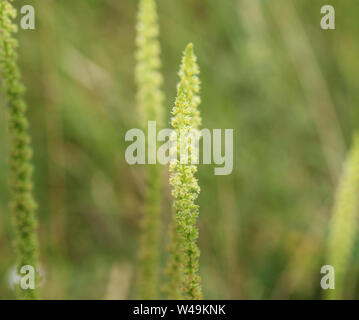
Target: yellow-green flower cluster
22,202
344,221
186,118
150,107
148,77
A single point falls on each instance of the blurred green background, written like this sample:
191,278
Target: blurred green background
289,90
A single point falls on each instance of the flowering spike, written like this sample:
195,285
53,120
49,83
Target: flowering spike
22,203
185,112
148,76
184,256
149,100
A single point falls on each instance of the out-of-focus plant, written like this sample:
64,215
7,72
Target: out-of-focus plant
344,221
184,256
22,202
150,105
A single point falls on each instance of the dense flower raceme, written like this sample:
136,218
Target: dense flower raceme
149,101
22,202
148,76
183,266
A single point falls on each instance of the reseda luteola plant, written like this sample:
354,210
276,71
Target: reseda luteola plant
344,221
149,101
183,265
22,204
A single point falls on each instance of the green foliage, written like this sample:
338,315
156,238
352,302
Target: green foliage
344,226
22,203
185,191
149,101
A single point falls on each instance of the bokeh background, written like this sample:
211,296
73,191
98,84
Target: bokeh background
289,90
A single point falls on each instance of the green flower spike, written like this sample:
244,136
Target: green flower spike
150,105
22,202
183,263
